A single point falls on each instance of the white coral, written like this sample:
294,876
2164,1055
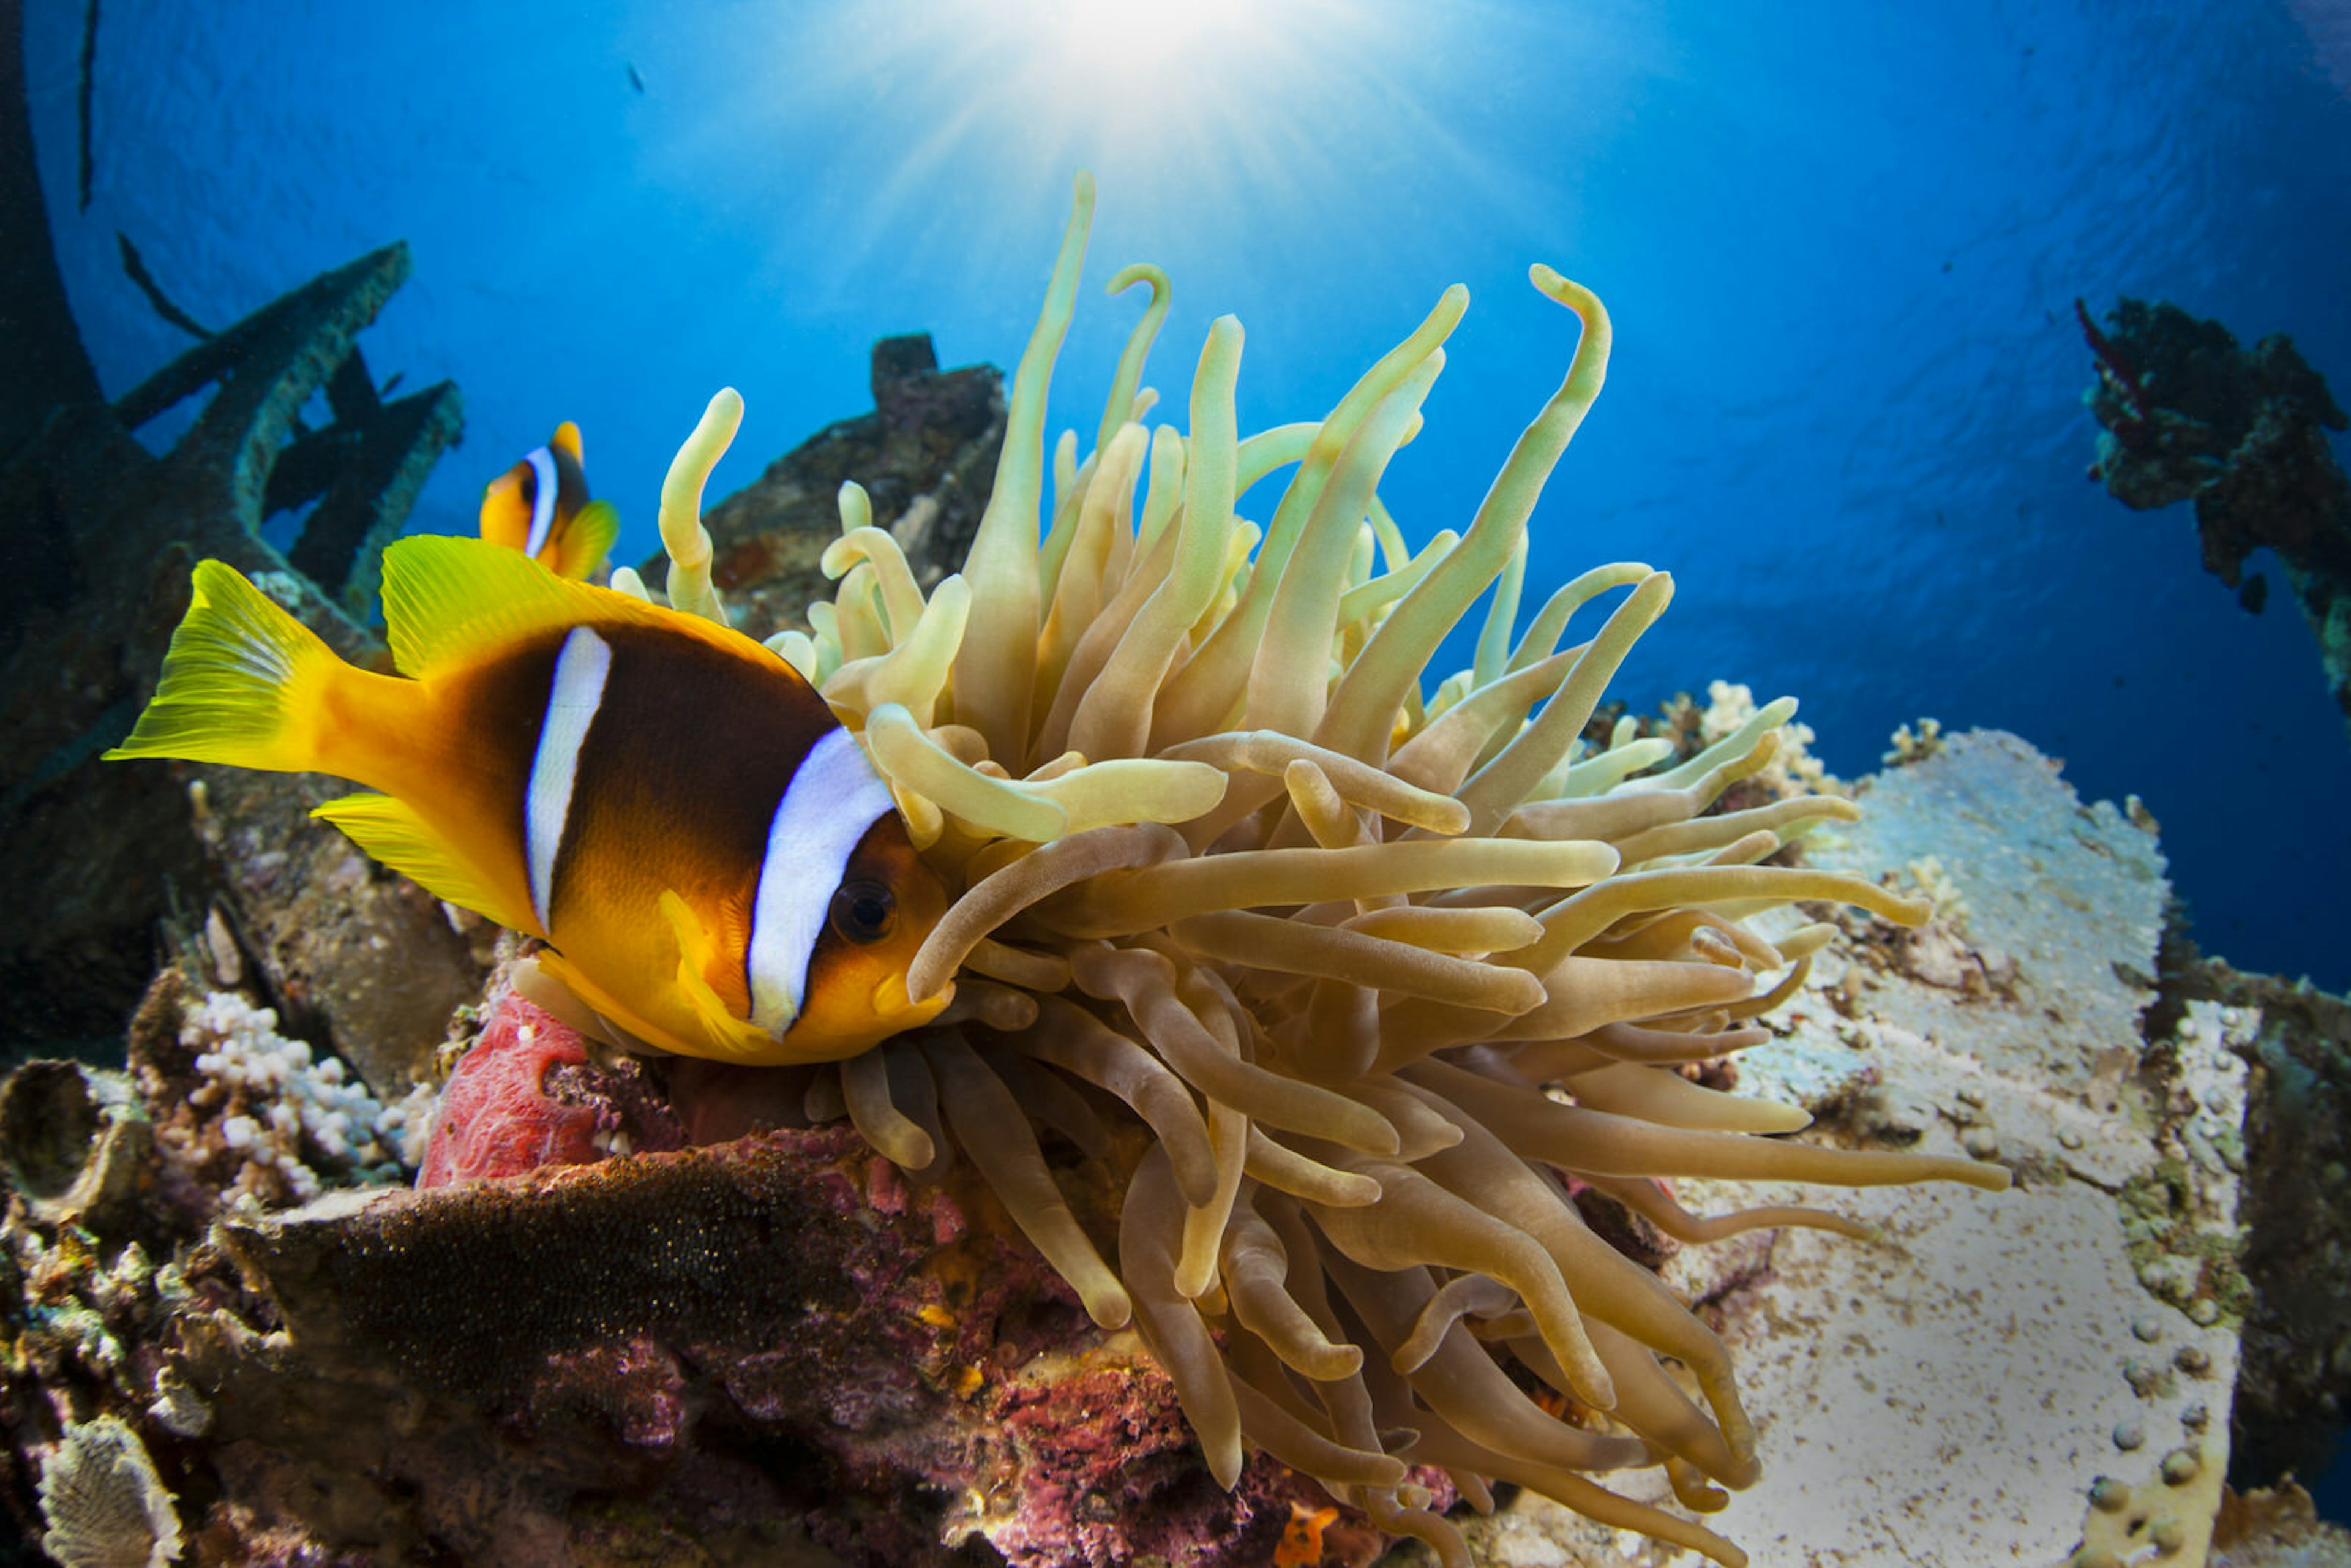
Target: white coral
302,1124
1794,769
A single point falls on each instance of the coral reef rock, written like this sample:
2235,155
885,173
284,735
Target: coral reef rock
766,1330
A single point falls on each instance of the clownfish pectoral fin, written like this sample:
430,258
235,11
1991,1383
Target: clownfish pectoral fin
392,832
449,601
732,1039
582,545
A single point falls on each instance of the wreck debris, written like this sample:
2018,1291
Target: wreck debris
85,95
2296,1383
98,536
2189,415
134,267
364,468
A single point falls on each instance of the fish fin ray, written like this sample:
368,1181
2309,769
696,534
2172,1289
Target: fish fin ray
239,682
735,1039
391,830
448,602
587,540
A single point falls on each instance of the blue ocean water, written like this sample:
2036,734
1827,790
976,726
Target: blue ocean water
1840,242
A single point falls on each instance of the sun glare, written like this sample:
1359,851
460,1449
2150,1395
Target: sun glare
1161,98
1289,120
1134,68
1130,38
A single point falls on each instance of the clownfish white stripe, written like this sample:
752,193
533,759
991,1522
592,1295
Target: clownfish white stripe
542,500
833,798
577,692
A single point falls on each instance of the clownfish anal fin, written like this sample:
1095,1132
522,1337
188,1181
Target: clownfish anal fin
738,1038
391,831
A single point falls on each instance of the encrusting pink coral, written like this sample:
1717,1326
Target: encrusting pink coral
496,1117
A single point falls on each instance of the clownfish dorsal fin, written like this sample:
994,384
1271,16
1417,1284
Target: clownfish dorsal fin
588,540
733,1039
566,440
392,831
449,601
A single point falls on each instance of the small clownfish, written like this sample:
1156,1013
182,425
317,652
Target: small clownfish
718,869
1302,1539
540,506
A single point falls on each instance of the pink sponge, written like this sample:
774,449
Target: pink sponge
496,1117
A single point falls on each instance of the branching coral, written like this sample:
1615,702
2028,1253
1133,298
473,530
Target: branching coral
289,1125
1298,951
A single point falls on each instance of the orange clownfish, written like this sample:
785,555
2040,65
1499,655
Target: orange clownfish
540,506
717,867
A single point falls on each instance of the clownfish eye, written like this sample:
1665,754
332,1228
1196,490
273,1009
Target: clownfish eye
864,912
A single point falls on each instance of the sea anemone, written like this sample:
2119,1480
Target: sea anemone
1351,986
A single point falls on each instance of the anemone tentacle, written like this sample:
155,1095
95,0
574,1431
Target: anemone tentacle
1328,930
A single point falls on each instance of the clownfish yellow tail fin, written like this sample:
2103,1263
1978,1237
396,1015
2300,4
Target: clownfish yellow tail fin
243,682
583,544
